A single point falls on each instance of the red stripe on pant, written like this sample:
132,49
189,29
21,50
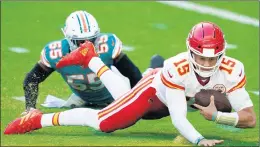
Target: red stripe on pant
131,113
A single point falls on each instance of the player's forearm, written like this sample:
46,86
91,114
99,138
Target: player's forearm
31,82
186,129
178,109
31,94
242,104
244,118
247,118
128,69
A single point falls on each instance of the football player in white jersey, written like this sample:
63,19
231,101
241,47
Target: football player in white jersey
160,93
205,66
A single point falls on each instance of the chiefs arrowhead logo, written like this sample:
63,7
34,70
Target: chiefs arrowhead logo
84,51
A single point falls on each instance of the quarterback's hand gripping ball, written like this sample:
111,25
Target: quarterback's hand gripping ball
221,102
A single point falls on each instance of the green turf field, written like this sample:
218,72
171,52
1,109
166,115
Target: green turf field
149,27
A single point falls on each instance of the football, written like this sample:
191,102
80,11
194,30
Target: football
221,102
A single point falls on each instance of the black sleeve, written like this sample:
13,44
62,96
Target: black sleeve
30,85
128,69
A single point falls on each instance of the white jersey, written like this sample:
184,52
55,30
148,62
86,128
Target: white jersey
176,80
230,78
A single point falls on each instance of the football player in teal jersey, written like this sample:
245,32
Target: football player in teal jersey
86,87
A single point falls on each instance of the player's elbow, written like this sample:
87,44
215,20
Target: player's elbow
30,82
247,118
251,121
26,81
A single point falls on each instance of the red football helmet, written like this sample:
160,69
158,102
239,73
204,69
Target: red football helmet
206,39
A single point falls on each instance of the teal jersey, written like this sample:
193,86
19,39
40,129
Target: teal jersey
82,81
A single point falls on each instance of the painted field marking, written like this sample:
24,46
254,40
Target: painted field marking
221,13
128,48
231,46
19,50
159,26
19,98
255,92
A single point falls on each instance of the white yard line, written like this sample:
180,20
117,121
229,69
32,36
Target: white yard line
128,48
255,92
231,46
221,13
19,50
160,26
19,98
